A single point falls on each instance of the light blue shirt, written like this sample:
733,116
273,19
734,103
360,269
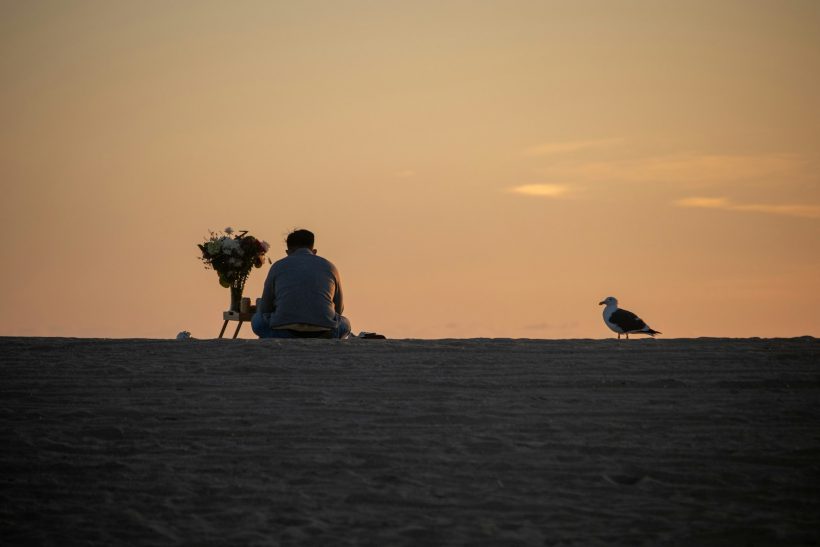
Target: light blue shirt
302,288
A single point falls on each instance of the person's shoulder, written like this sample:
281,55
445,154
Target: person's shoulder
327,263
279,263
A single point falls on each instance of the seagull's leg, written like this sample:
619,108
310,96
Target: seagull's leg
619,336
627,335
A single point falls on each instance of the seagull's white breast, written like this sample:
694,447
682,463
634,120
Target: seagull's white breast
608,311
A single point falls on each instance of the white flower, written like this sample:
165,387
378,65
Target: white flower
229,245
266,246
228,230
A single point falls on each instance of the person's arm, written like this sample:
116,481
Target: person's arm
267,304
338,301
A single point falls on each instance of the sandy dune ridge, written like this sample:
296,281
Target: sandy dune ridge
410,442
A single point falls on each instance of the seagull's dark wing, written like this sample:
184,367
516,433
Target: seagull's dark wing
627,320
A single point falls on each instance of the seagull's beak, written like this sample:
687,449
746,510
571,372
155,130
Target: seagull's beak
601,303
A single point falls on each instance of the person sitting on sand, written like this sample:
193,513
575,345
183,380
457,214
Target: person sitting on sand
302,297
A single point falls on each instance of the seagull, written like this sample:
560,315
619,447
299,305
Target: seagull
623,321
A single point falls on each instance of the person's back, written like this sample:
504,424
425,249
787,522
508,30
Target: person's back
302,295
305,289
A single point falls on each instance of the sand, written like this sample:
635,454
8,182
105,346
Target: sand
402,442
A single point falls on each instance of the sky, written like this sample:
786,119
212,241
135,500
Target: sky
473,168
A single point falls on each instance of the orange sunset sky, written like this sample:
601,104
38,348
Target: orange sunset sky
474,169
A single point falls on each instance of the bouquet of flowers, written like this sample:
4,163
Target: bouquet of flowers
233,257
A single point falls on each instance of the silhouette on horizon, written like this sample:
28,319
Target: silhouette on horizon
624,321
302,296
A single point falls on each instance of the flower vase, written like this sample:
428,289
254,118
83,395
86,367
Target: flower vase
236,297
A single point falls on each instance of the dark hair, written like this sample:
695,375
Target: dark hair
299,239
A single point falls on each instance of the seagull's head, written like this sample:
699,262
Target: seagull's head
608,301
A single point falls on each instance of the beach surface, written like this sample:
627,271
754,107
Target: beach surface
410,442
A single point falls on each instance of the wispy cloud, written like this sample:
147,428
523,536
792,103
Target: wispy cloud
704,203
541,190
684,169
688,173
550,148
805,211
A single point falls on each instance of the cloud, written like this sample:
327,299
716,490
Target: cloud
541,190
705,203
688,169
550,148
804,211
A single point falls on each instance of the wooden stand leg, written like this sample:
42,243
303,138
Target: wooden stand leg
237,329
225,324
